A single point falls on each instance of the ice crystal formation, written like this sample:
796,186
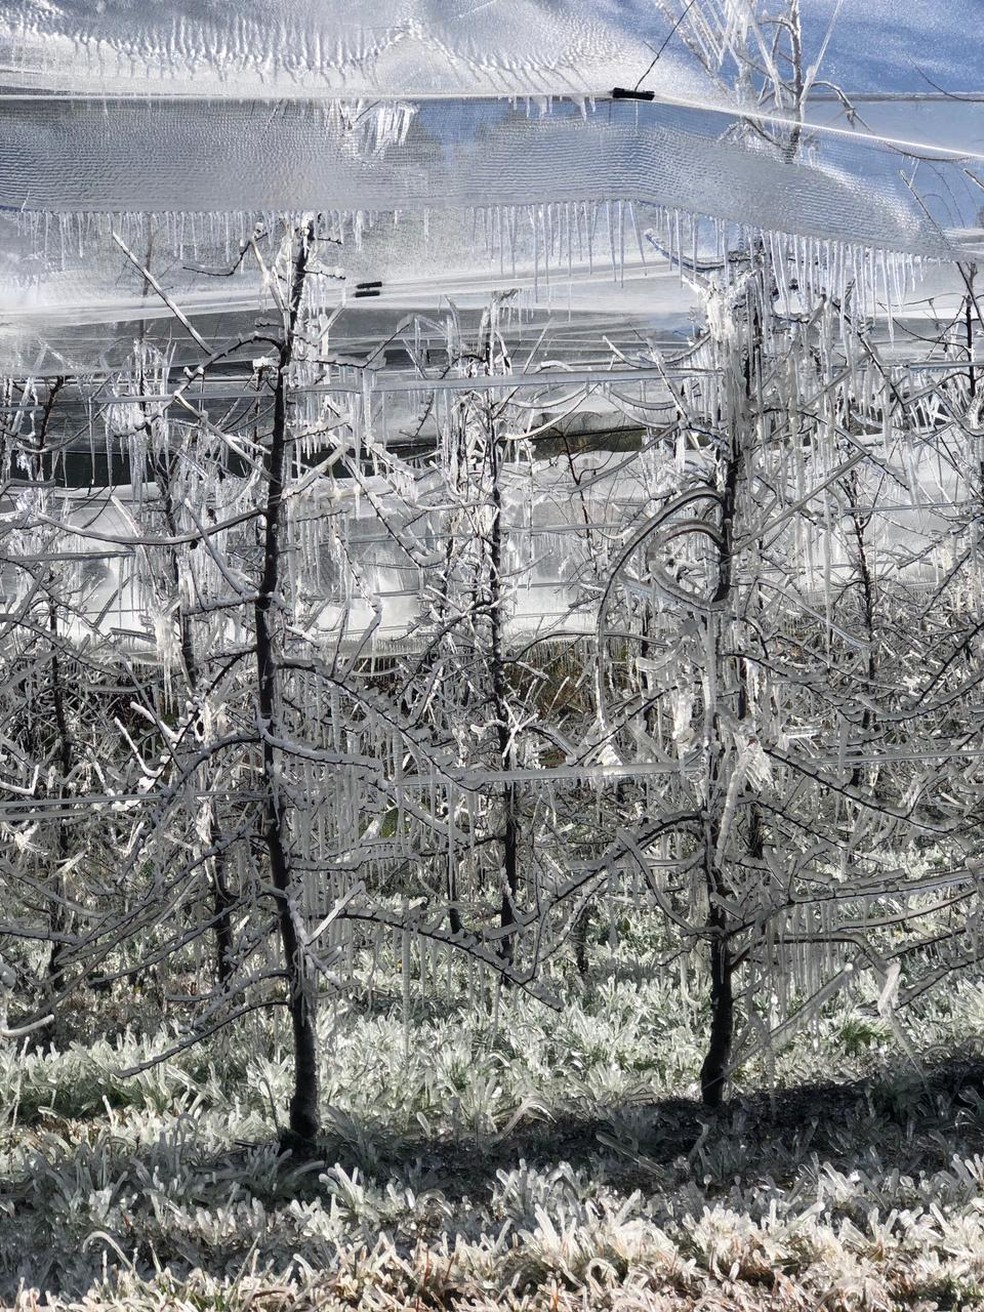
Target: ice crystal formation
449,502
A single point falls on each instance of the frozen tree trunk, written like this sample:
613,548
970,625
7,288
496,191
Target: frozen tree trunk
714,1071
500,701
579,939
59,918
301,992
717,1062
165,465
867,605
58,921
743,373
430,661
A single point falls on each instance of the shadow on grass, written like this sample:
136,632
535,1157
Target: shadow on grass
903,1112
130,1206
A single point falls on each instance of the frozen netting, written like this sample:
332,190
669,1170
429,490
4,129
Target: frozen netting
430,200
272,47
440,47
143,156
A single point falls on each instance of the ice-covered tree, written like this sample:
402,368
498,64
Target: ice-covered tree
772,644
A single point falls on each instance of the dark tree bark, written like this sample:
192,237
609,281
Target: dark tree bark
579,938
500,703
714,1071
66,755
719,928
274,831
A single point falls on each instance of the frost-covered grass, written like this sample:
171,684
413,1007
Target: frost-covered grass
503,1155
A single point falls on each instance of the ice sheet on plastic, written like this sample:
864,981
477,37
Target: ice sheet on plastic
883,46
144,156
454,195
441,47
279,48
254,111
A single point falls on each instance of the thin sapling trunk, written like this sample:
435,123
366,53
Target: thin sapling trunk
304,1119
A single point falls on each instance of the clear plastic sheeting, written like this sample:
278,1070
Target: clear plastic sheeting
576,208
447,47
451,148
334,47
65,157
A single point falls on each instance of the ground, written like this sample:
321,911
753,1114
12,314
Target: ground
523,1159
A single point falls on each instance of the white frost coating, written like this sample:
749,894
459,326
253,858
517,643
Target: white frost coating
275,48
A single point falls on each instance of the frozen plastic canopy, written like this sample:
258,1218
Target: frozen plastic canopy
145,156
409,117
448,47
280,48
